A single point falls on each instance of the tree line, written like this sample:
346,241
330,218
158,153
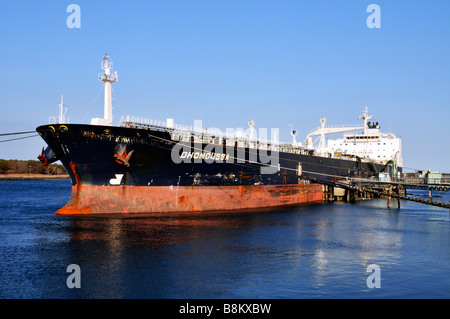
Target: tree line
14,166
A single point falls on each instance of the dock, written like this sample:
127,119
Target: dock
352,189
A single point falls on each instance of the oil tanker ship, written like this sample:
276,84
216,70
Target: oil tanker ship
150,167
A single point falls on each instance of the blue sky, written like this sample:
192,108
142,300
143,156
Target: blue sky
225,62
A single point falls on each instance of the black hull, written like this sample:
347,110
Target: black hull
102,156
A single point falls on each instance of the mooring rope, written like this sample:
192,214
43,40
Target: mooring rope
17,133
19,138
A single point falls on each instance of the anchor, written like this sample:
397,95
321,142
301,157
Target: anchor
122,157
47,157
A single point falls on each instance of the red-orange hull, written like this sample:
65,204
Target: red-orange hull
93,200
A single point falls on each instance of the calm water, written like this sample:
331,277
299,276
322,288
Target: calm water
319,251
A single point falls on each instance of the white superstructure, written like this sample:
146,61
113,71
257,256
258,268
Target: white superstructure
369,143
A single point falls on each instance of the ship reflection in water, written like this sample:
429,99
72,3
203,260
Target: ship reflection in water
312,252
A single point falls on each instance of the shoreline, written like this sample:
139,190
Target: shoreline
32,177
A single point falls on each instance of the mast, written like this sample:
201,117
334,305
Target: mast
365,116
61,106
322,143
293,134
107,78
61,118
251,123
